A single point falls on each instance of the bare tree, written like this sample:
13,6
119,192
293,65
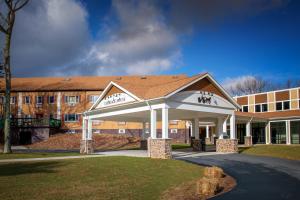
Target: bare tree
7,20
246,85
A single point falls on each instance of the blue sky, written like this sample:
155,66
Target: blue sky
266,44
260,38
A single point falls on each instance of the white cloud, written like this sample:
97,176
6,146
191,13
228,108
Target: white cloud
48,36
140,42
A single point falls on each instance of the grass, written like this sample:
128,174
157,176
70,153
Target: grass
94,178
180,146
35,155
291,152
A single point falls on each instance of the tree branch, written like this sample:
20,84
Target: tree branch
2,29
22,4
9,4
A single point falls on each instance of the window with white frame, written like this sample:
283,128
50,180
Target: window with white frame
51,99
72,100
174,122
12,100
27,99
282,105
261,107
93,98
121,123
245,109
174,130
39,100
71,117
258,108
122,131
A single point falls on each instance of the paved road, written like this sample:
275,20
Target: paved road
257,177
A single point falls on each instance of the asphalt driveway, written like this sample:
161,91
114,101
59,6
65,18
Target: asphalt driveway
257,177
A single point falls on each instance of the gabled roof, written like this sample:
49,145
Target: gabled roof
149,91
88,83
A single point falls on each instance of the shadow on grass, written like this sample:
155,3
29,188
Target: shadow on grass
13,169
242,149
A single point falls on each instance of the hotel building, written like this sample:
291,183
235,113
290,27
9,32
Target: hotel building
44,106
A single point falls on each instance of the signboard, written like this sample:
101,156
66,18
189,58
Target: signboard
115,99
202,98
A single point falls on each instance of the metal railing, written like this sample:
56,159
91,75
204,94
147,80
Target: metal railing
32,122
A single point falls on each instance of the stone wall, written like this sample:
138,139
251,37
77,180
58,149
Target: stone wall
86,146
227,145
248,141
208,141
159,148
196,145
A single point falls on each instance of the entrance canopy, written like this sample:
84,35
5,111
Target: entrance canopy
197,98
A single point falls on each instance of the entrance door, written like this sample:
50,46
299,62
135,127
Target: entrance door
258,133
25,137
278,133
241,133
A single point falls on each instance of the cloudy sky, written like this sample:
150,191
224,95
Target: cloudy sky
230,39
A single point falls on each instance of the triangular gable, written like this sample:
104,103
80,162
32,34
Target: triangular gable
113,95
207,84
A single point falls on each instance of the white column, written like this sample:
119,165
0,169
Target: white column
90,129
84,135
58,105
196,128
153,124
192,127
207,131
220,128
144,131
232,127
248,129
288,131
20,103
268,133
165,123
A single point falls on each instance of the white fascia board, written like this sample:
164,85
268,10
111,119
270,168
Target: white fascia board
124,111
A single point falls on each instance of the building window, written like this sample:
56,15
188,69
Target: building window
93,98
279,106
51,99
258,108
174,131
122,131
286,105
121,123
27,99
72,99
174,122
12,100
264,107
39,100
71,117
245,109
1,99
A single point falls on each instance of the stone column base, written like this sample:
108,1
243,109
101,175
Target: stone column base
159,148
227,145
208,141
144,145
86,146
248,141
196,145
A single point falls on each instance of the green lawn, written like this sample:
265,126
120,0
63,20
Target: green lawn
35,155
281,151
180,146
94,178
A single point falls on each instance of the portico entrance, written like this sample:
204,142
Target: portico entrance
195,99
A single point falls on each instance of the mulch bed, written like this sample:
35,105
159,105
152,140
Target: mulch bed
101,142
